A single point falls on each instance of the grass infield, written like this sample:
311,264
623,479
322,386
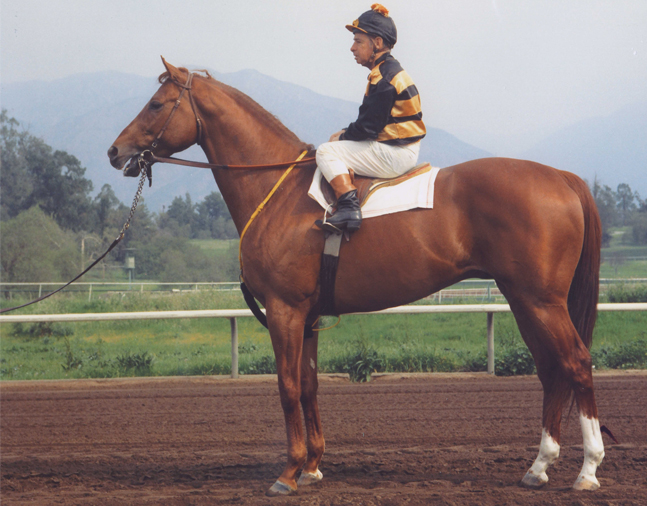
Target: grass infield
359,345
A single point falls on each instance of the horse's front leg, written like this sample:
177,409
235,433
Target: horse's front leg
309,385
286,331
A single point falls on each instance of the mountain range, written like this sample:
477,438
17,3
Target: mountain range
611,148
83,114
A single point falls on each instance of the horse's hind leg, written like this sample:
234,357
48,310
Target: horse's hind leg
564,367
314,433
556,393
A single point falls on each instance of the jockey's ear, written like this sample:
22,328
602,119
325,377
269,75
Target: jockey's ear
175,73
378,43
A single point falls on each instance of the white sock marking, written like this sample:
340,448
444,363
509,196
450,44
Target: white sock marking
593,449
548,453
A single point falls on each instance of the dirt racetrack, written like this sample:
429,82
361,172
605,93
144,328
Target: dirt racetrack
401,439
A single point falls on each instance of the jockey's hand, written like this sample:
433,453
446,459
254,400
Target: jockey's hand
335,137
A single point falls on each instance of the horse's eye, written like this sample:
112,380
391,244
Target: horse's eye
155,105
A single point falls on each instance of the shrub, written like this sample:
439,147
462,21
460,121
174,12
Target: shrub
473,363
627,293
41,329
139,363
361,364
72,361
632,355
513,361
263,365
420,361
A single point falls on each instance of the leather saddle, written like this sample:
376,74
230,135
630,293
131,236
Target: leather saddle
367,186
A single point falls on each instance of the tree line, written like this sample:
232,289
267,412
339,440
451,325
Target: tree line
620,208
48,214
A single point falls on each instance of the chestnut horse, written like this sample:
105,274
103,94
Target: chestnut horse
535,230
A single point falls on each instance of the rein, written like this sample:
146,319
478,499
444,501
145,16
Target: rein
150,158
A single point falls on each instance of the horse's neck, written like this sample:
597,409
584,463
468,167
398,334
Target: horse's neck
235,134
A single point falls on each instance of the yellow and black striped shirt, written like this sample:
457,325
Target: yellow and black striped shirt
390,111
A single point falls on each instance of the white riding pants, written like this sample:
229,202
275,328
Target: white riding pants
366,158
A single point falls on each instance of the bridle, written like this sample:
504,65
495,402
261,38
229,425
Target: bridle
145,159
185,87
142,164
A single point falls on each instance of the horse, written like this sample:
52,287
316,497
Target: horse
534,229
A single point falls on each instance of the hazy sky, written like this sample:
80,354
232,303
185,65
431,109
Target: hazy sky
500,74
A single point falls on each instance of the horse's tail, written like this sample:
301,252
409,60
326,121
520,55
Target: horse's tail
583,294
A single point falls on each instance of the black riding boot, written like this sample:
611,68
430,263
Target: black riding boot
348,215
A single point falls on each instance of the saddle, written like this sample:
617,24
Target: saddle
367,186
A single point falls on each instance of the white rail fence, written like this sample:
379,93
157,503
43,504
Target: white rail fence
483,289
233,314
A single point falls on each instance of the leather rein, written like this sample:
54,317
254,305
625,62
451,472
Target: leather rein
147,158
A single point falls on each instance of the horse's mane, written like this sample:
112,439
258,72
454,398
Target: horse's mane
247,102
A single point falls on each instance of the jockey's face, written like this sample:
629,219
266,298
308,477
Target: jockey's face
364,47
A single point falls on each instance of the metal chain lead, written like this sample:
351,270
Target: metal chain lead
140,188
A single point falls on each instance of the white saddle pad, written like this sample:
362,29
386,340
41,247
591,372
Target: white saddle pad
416,192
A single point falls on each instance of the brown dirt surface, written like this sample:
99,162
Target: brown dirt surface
399,440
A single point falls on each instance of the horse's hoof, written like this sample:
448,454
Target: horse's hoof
309,478
586,483
280,488
531,480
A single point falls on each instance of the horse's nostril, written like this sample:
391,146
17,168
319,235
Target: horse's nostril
112,152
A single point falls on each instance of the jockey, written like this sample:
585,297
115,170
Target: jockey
384,141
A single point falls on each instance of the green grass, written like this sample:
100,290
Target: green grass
361,343
215,244
614,264
628,269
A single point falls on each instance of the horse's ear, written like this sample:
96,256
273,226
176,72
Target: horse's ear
175,74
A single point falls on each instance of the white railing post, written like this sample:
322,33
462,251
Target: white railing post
490,343
90,293
234,347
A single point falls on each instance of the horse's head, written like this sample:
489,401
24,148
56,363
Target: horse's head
177,124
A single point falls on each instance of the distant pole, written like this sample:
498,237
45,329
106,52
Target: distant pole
490,343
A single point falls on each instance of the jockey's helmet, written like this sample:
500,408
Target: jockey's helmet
376,22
